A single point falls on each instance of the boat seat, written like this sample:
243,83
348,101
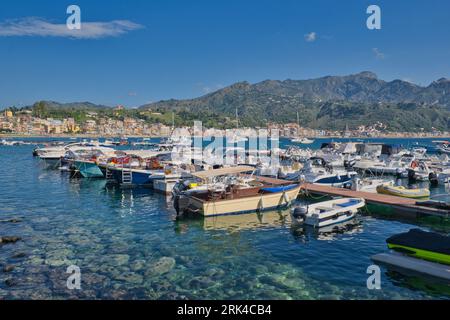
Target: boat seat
324,209
347,204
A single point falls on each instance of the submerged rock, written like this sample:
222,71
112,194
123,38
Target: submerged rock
19,255
7,239
8,268
201,283
35,260
12,220
138,265
130,277
10,282
162,266
116,259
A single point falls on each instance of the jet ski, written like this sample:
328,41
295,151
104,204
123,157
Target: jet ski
420,244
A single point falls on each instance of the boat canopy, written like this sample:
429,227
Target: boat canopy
222,172
145,153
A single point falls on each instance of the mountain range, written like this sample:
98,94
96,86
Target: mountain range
330,102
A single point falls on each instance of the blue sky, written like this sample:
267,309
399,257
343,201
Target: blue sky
134,52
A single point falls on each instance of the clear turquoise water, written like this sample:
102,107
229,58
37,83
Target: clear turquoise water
128,244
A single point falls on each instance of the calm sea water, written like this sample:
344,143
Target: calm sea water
128,244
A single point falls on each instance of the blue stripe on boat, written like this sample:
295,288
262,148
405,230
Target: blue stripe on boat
279,189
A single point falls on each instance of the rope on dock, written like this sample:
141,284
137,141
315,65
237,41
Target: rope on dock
308,194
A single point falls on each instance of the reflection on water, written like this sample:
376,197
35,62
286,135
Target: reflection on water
304,233
241,222
418,282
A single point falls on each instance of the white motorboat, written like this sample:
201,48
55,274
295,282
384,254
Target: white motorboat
443,146
327,213
302,140
397,165
324,175
368,185
53,156
419,171
444,177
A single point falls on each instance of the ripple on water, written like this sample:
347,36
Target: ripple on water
128,245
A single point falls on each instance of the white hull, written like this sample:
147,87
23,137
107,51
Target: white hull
328,213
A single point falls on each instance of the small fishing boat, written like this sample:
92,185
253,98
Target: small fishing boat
327,213
401,191
230,191
302,140
423,245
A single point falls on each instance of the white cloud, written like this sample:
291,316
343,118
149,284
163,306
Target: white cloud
378,54
311,37
39,27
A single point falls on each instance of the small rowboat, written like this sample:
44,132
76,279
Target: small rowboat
327,213
403,192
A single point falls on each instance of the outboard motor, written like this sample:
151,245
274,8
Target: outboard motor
411,174
300,213
348,164
433,177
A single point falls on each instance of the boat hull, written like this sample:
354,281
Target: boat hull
404,193
260,202
51,163
421,254
333,212
423,245
88,169
333,181
137,177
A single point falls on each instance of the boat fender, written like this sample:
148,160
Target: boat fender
286,197
261,204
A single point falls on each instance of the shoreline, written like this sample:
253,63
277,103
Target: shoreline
96,136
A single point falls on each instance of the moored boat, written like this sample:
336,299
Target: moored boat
401,191
327,213
88,168
235,194
423,245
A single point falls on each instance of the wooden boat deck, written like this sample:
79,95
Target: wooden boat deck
402,204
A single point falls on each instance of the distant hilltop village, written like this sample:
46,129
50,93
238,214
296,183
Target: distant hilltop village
117,122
